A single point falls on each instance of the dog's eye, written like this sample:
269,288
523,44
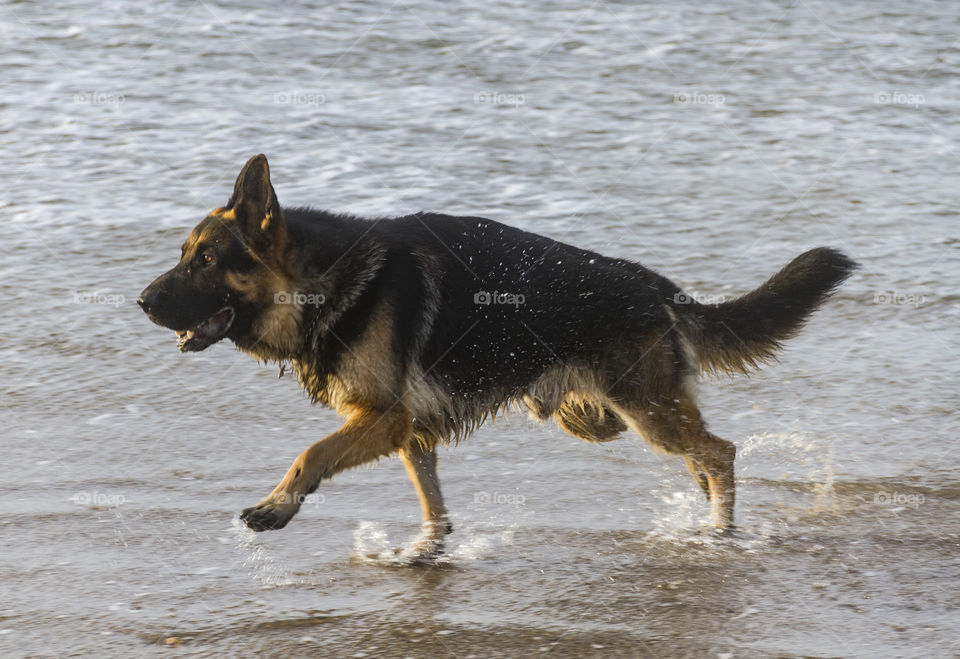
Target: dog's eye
206,258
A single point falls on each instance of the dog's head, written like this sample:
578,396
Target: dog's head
232,269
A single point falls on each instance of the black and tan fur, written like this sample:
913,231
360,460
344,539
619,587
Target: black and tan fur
385,321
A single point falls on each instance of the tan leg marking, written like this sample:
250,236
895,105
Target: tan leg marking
421,465
366,436
716,457
697,472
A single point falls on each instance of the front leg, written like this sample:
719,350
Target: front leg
421,465
366,436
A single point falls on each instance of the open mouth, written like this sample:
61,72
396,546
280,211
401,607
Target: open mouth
206,333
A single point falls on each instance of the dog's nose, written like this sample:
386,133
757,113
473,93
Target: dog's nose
147,300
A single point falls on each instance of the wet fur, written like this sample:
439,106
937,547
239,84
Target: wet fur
401,348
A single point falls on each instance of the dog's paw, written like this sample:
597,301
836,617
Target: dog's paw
268,516
430,543
729,531
422,552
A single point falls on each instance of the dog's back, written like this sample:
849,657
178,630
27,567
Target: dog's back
483,315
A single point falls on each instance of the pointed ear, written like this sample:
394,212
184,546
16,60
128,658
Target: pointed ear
254,201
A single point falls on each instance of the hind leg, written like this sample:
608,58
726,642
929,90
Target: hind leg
421,465
674,426
716,456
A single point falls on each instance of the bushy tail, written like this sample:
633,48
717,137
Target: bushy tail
739,335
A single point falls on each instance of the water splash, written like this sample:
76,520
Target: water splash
260,562
372,544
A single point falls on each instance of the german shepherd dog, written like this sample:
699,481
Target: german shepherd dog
418,328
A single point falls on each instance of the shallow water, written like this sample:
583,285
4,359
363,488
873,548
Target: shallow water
711,141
